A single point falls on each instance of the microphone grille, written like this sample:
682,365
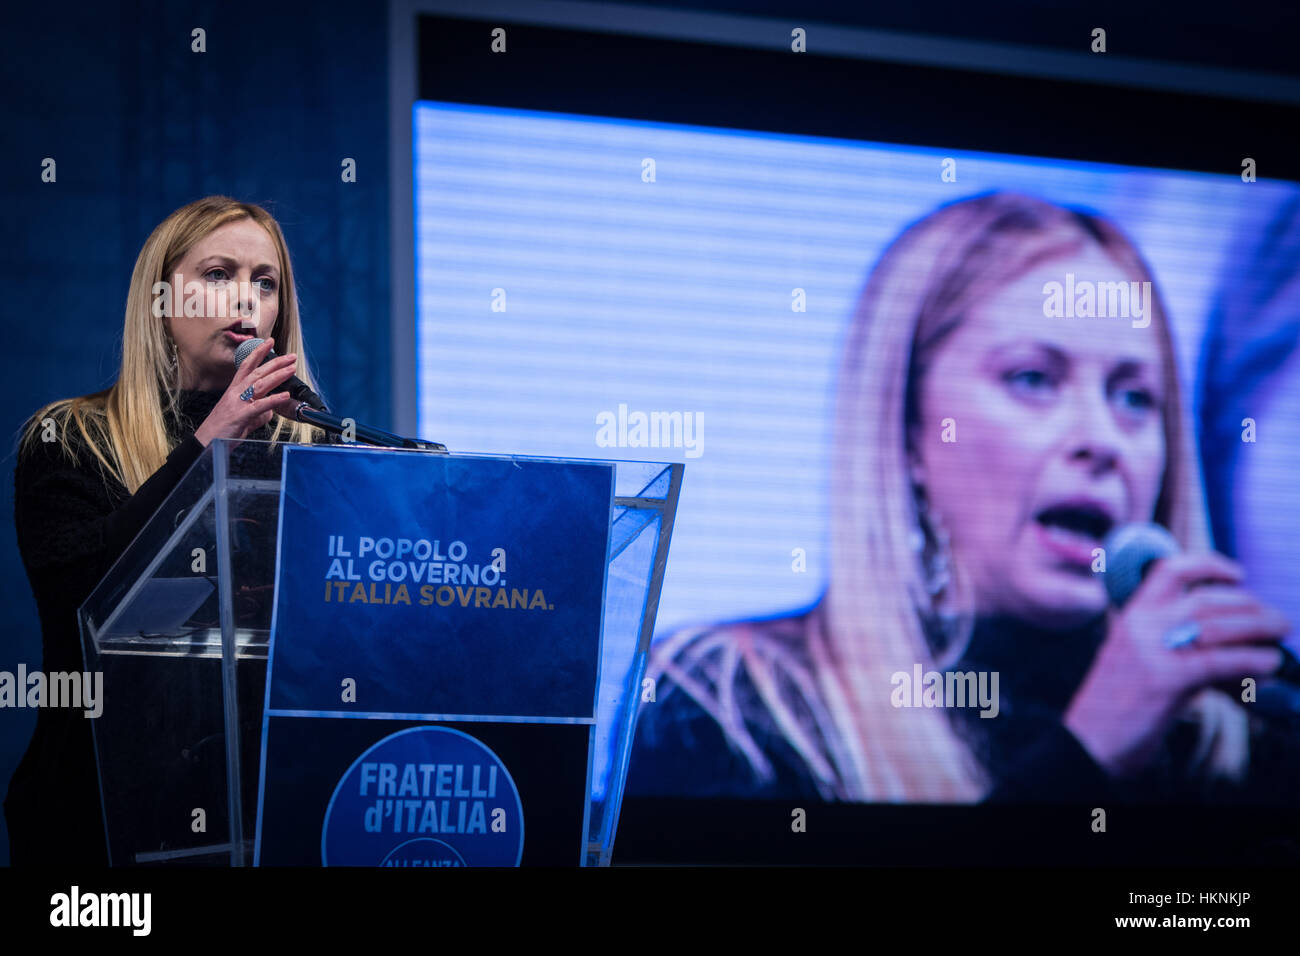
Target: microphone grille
245,349
1130,549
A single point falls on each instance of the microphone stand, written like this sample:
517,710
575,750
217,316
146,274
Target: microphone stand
366,434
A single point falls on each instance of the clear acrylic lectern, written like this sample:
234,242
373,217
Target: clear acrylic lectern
180,628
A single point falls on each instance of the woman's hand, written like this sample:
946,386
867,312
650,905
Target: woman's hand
1137,684
235,418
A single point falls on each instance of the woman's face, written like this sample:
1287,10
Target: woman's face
228,292
1059,437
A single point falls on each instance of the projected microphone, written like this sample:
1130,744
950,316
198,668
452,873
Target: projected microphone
294,386
1131,550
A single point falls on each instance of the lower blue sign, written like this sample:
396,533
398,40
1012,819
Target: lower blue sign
444,590
428,796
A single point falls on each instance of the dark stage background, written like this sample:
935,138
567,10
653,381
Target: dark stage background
139,125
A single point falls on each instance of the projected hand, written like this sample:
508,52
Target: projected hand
1137,684
235,418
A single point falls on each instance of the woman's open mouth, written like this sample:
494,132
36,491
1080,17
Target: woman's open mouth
1073,530
240,333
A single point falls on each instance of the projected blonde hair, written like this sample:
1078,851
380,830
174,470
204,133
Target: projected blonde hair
824,679
124,426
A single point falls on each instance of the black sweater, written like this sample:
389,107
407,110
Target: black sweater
73,520
1029,754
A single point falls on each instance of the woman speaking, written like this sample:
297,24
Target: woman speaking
983,449
92,470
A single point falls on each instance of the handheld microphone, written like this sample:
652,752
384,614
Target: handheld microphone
1131,549
295,386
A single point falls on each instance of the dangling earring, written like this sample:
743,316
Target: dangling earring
932,547
931,543
172,361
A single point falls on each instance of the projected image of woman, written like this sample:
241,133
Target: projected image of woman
982,451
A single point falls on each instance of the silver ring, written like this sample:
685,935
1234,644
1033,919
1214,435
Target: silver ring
1184,635
247,394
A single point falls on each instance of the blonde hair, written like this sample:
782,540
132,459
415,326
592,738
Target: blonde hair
872,619
124,426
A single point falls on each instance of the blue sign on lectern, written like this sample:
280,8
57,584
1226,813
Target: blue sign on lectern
433,657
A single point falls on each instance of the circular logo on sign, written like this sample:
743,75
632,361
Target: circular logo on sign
427,796
424,852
